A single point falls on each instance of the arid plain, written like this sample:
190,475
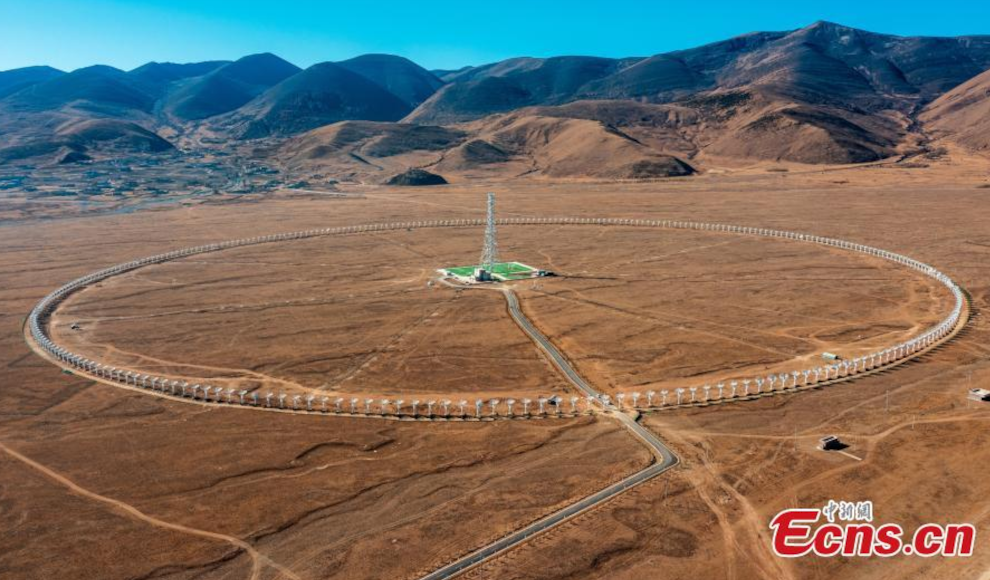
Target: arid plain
630,306
163,489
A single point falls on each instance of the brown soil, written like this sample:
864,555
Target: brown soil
356,498
632,307
961,115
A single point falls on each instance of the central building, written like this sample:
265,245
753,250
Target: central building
489,268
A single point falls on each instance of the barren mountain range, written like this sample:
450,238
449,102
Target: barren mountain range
823,94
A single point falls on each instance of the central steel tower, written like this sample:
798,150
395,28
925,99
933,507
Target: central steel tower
489,255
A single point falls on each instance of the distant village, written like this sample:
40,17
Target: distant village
136,180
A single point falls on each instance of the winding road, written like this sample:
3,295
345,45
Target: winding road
37,333
664,458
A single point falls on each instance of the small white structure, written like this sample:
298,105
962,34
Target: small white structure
979,395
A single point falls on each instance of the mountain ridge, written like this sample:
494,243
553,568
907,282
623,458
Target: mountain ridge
824,93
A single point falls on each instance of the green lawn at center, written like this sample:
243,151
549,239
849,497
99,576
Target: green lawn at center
502,269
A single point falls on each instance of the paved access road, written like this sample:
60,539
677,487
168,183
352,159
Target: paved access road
663,454
665,458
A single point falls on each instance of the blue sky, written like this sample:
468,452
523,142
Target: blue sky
69,34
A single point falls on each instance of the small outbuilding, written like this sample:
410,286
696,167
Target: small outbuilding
830,443
979,395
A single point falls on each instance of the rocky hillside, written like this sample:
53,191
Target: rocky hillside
823,94
324,93
823,63
962,115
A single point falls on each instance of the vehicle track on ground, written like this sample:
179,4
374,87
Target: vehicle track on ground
36,333
257,558
40,340
663,457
